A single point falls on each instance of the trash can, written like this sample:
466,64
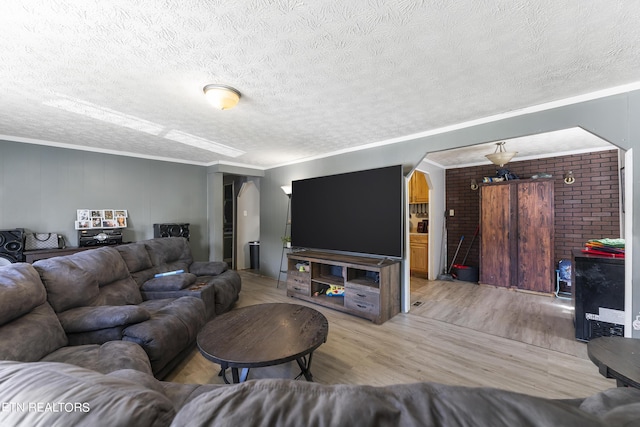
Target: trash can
254,255
465,273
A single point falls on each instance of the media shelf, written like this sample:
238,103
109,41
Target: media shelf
371,285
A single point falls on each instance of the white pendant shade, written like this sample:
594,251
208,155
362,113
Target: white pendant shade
500,157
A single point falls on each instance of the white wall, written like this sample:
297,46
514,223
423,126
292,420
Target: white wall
436,181
247,222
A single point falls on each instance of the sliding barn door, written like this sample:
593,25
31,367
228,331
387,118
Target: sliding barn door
497,227
536,270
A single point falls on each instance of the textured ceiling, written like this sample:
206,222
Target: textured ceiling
316,76
563,142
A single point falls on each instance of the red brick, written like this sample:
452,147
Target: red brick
587,209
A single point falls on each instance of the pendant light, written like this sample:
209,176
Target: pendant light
501,156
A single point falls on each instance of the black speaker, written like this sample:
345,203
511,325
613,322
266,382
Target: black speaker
171,230
11,246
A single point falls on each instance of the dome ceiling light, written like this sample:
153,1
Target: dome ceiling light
222,97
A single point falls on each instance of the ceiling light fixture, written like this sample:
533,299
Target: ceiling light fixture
222,97
501,157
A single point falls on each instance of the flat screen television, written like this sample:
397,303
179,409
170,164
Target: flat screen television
359,212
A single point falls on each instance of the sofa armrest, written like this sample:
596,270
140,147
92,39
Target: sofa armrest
208,268
84,319
174,282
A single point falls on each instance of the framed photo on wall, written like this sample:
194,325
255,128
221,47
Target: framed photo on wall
101,218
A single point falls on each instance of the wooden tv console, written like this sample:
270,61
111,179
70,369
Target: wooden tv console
371,285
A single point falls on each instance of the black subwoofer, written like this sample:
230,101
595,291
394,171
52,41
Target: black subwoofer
171,230
11,246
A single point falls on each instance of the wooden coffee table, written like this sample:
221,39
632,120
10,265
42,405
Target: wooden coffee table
263,335
617,357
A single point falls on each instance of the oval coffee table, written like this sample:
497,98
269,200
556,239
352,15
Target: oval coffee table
617,357
263,335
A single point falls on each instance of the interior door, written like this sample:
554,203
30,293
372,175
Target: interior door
497,221
536,270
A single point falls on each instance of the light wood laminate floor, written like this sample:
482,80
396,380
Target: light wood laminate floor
462,334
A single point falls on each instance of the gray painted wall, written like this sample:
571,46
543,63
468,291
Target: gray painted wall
613,118
41,188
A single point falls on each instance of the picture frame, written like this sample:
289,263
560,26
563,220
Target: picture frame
109,223
83,214
101,218
83,224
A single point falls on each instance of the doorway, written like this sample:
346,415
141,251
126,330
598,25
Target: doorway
460,168
241,219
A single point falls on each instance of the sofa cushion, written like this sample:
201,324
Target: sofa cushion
108,357
144,379
136,257
174,282
138,262
293,403
20,291
208,268
92,277
99,336
201,289
84,319
170,251
626,415
77,396
227,287
59,275
601,403
173,327
32,336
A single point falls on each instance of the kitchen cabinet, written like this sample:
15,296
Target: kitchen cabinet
419,254
418,188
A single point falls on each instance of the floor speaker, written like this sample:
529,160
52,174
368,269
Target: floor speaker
11,246
171,230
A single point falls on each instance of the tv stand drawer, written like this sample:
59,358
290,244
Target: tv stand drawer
298,285
363,304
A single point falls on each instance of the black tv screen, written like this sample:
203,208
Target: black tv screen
357,212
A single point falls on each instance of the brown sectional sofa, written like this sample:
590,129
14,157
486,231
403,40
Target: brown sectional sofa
97,300
30,330
93,298
79,396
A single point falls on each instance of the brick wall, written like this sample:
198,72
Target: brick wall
587,209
